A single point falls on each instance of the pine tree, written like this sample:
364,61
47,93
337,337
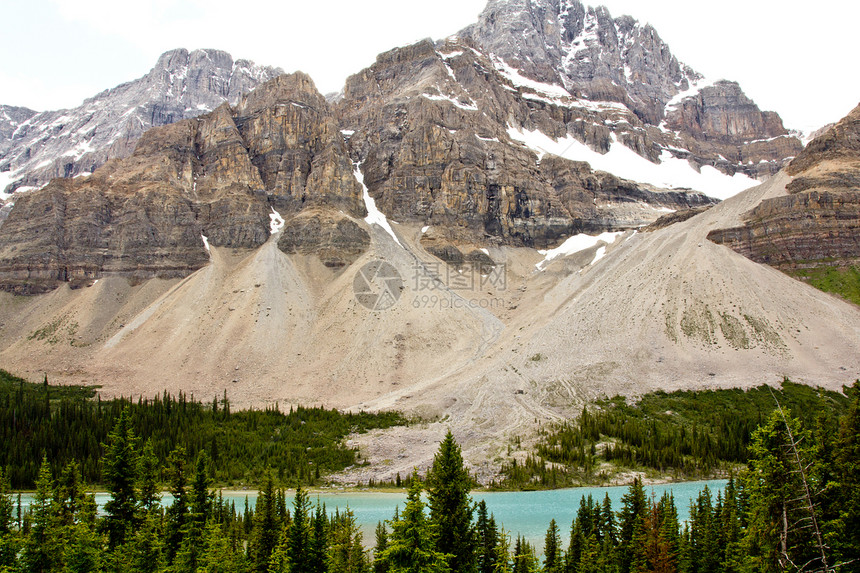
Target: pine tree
347,554
448,485
380,565
266,528
487,538
294,553
411,548
120,467
553,559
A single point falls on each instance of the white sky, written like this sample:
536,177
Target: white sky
789,56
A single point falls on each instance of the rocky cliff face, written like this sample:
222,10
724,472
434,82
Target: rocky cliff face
818,222
491,137
11,118
600,58
212,180
70,142
431,126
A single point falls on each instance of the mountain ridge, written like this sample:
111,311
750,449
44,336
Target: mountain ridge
72,142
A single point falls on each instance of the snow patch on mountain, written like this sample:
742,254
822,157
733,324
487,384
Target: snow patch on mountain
374,215
670,173
276,223
516,78
576,244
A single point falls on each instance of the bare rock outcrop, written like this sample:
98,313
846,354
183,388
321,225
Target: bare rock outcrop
603,59
70,142
429,124
818,222
213,180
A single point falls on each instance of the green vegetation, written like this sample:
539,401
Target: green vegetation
65,423
795,507
842,281
684,434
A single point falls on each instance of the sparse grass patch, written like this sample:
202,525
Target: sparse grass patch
841,281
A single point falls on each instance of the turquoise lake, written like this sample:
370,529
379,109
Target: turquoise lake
525,513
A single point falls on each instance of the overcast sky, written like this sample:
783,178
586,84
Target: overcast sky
796,58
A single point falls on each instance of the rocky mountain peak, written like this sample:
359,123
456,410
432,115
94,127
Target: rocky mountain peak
586,50
296,88
71,142
587,54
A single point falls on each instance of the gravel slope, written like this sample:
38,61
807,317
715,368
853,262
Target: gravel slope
665,309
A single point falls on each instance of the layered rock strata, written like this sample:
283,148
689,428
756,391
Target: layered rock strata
818,222
214,180
38,147
431,125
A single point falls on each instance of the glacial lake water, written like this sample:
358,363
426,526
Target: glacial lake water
525,513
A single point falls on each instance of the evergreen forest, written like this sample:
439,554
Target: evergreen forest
794,505
683,435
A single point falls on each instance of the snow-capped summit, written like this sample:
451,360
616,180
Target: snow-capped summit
599,58
37,147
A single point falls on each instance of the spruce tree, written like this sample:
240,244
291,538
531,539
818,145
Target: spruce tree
200,503
553,559
503,552
487,538
782,527
846,538
294,552
148,483
8,537
630,518
379,564
38,554
120,469
448,485
266,527
217,554
319,541
525,560
411,548
347,554
176,515
147,552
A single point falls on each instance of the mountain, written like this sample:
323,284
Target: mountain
218,176
441,135
596,57
462,234
817,224
37,147
11,118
